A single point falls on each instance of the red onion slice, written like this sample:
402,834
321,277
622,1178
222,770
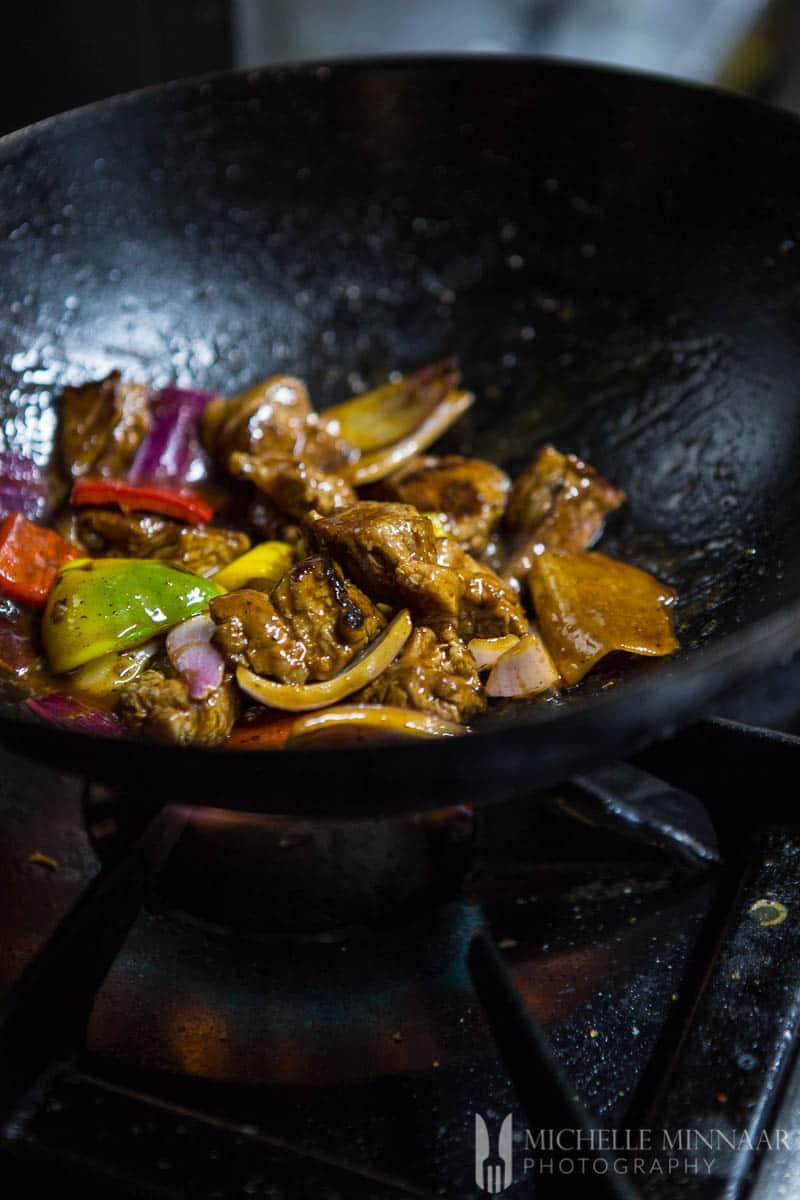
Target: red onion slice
172,450
59,709
524,670
194,657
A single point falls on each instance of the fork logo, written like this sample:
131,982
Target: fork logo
493,1166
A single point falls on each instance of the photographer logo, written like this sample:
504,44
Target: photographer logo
493,1157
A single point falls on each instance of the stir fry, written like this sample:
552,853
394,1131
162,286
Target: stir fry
246,571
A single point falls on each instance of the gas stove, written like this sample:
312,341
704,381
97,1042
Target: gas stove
595,992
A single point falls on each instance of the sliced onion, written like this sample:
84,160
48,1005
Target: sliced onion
23,487
380,463
375,718
524,670
486,651
113,670
64,711
393,411
194,657
296,697
172,449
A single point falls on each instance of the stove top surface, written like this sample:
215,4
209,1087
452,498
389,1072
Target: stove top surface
595,971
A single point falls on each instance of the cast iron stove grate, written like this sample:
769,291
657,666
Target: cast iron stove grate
650,982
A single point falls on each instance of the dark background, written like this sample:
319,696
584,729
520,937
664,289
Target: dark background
62,55
58,55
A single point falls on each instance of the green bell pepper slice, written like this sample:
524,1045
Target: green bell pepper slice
98,605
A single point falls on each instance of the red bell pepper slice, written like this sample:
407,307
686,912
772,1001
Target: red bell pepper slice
30,557
266,731
170,502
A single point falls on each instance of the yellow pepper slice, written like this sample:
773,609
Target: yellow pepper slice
268,560
375,719
441,526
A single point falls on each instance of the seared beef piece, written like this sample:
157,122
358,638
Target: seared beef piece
250,633
273,418
160,706
470,492
331,616
202,549
430,675
310,628
293,486
327,451
106,532
269,416
559,503
102,425
489,606
390,551
271,437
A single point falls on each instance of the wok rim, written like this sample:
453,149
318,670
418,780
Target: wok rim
357,62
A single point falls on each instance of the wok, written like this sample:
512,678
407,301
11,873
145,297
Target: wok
613,259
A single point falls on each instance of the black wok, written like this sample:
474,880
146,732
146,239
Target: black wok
613,259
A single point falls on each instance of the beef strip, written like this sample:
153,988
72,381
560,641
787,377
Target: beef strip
269,415
470,492
102,425
329,614
558,503
202,549
250,633
489,606
273,418
430,675
293,485
159,705
104,531
390,550
327,451
309,629
271,437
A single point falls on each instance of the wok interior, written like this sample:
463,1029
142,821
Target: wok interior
612,259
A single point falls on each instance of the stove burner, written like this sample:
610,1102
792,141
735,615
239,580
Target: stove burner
284,876
615,940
